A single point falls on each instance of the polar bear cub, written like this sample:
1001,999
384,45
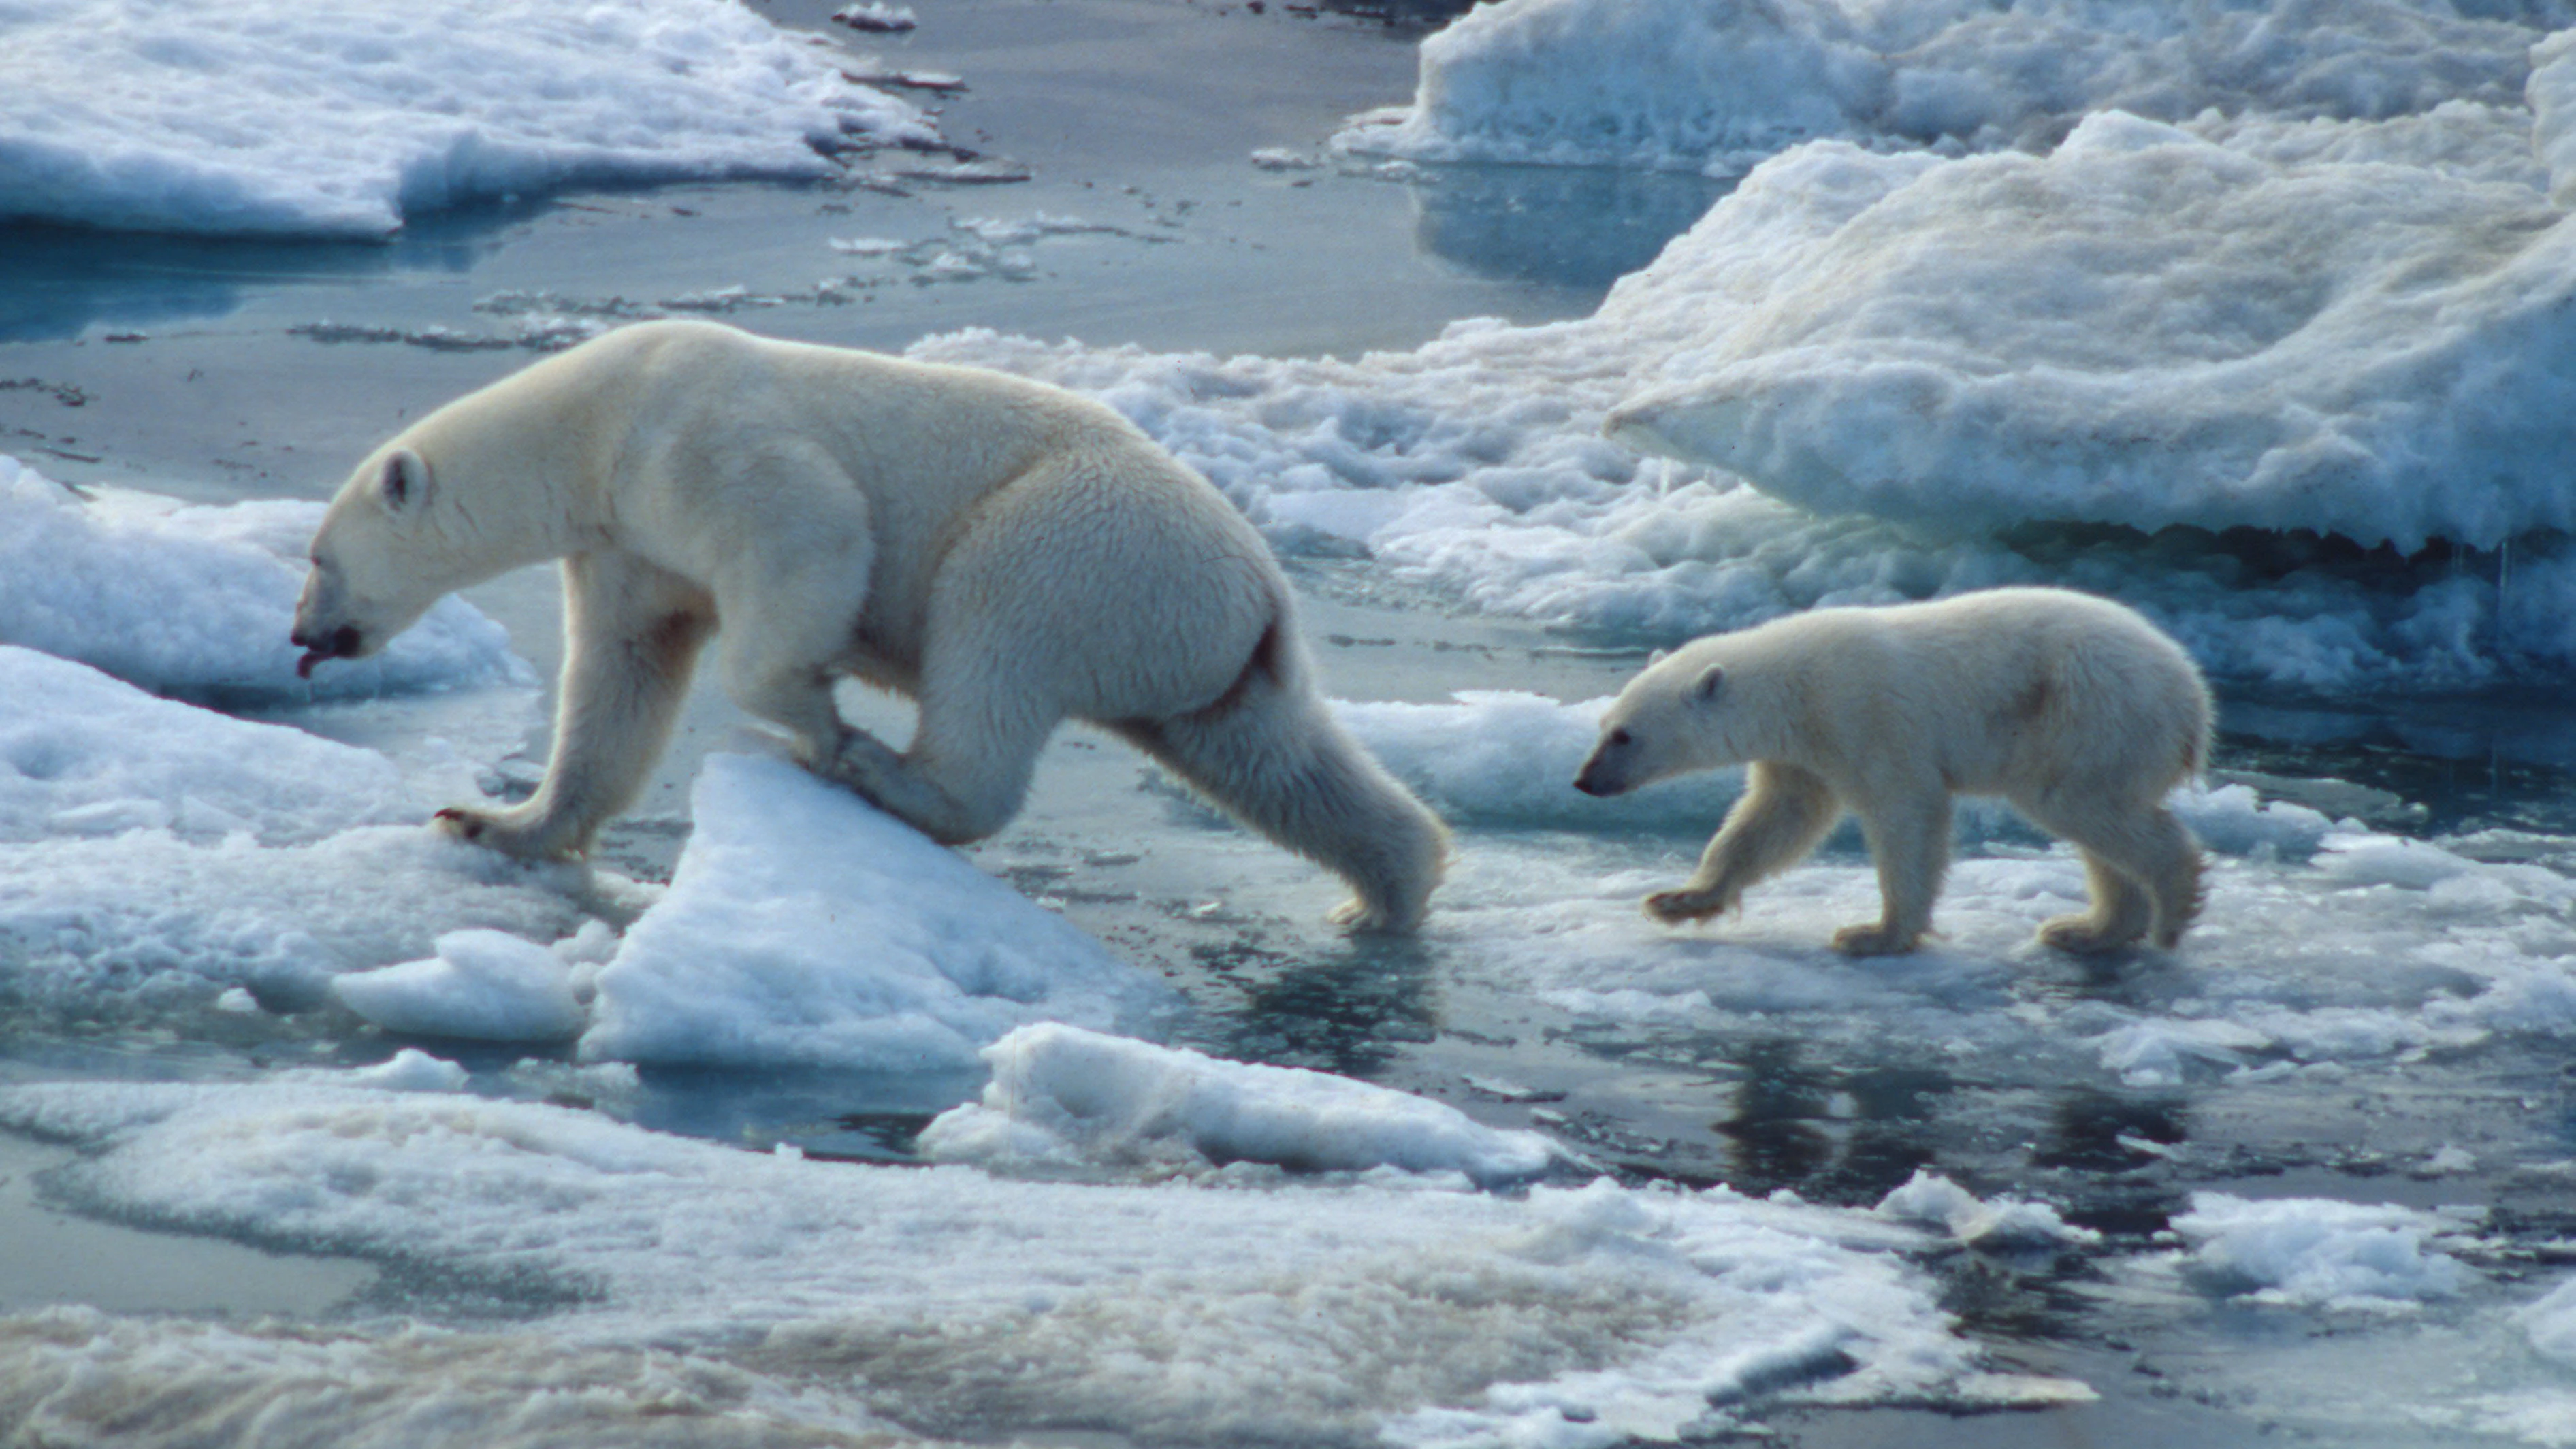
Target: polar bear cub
1008,554
2073,708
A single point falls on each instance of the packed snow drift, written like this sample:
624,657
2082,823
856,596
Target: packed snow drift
342,119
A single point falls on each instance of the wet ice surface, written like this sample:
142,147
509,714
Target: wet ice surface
2305,1175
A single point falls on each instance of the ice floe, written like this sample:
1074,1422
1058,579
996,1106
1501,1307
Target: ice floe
2003,1222
960,1303
198,600
345,118
486,985
2319,1252
804,926
1673,84
1062,1095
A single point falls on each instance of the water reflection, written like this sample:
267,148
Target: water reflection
1836,1136
58,282
1567,226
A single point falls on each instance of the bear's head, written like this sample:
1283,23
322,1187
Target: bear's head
378,560
1687,711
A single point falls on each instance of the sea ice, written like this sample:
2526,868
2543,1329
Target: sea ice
804,926
2318,1252
343,118
1060,1094
2003,1222
83,755
969,1306
484,985
189,599
1674,84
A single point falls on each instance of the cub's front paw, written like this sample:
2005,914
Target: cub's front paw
1873,939
1674,907
495,830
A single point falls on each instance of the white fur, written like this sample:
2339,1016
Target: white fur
1009,554
2073,708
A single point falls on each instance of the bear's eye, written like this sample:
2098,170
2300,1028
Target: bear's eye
1618,737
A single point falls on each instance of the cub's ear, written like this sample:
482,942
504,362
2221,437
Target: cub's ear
1705,688
1657,657
404,484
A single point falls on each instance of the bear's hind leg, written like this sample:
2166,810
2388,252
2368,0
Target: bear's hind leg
2145,844
1784,812
966,772
1275,758
632,633
2121,913
1910,845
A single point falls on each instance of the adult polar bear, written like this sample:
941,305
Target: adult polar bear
1007,553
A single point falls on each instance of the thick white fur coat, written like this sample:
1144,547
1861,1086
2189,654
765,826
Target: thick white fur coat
1007,553
2073,708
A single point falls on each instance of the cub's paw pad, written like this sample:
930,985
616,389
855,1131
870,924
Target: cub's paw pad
1873,940
2083,936
1673,907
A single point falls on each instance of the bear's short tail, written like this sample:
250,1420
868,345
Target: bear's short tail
1270,752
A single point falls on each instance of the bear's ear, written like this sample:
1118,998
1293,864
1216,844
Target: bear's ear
1658,657
403,486
1705,688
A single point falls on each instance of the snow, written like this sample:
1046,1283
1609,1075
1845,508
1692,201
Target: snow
804,926
1977,342
84,755
486,985
1677,85
345,118
2319,1253
190,599
1060,1094
2005,1222
778,1290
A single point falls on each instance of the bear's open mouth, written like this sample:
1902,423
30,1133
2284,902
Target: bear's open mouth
342,643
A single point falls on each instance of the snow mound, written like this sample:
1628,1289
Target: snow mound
83,756
2145,327
804,926
343,118
2318,1252
1679,85
485,985
198,600
1337,1310
1062,1094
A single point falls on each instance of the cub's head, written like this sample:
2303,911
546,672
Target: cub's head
377,564
1681,714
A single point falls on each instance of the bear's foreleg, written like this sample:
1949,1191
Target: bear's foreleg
1784,813
1909,842
632,633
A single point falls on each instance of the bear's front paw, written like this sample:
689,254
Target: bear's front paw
1363,917
497,832
1874,939
1674,907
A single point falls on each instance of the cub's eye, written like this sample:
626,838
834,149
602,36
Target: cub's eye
1618,737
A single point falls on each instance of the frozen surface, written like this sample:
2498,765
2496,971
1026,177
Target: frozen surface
2006,1222
1060,1094
960,1303
2147,326
1675,84
199,600
343,118
84,755
1472,469
155,851
486,985
2319,1253
804,926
